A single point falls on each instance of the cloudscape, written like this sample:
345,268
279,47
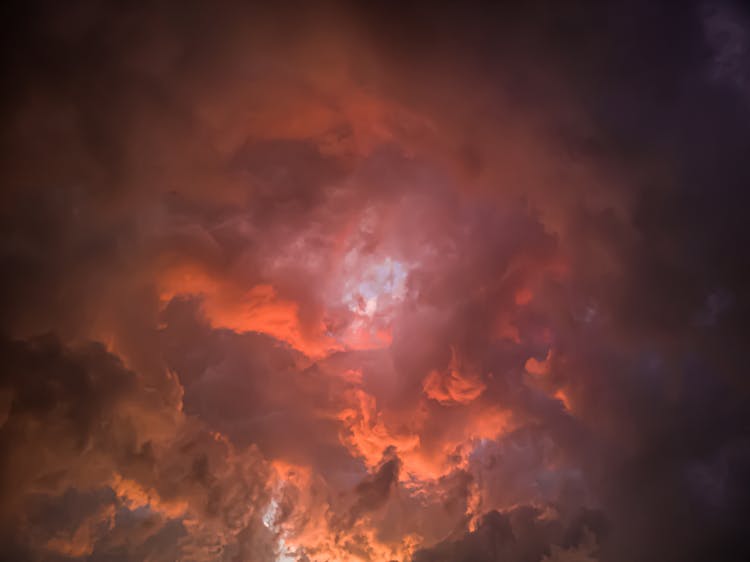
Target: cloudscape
374,281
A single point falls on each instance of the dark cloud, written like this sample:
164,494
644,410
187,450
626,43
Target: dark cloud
373,492
523,534
84,440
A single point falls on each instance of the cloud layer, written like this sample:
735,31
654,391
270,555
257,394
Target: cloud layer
337,282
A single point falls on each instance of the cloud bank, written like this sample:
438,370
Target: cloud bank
365,282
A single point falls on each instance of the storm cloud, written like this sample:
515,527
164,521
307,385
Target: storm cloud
340,281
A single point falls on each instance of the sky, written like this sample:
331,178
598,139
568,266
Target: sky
371,282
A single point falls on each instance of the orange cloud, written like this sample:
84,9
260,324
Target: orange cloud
135,495
366,433
536,367
455,386
307,523
563,397
257,309
426,454
82,540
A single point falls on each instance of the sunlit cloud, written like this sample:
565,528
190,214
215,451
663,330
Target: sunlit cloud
335,282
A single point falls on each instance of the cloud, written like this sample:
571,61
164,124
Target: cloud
521,534
87,442
454,387
343,282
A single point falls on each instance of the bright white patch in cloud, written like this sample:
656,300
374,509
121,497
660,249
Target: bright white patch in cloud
373,286
269,515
